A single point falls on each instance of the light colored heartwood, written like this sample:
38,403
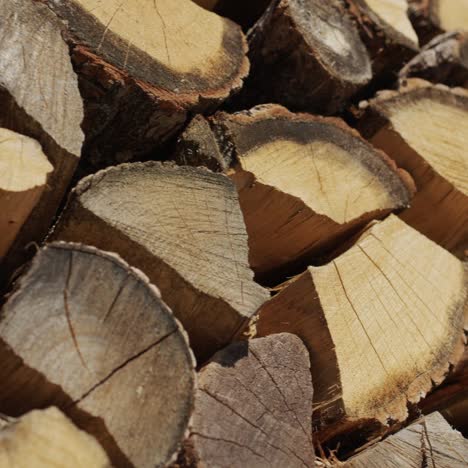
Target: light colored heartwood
23,175
452,14
427,125
184,37
395,13
322,174
47,438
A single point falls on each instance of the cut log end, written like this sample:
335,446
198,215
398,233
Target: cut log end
184,228
48,438
305,183
382,325
314,52
24,170
254,405
449,15
416,127
114,358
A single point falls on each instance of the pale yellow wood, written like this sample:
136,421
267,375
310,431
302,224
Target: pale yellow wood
184,37
438,132
389,304
452,14
395,13
24,170
322,174
46,439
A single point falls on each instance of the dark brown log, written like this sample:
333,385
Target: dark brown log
442,60
143,66
432,17
305,183
254,406
89,334
387,32
183,227
40,100
424,129
306,55
383,323
42,439
430,442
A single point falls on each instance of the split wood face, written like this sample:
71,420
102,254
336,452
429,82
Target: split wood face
382,322
24,170
416,127
313,51
39,99
45,438
176,46
184,228
449,15
305,183
89,334
429,442
254,405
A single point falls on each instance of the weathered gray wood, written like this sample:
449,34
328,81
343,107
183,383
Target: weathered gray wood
39,98
254,406
89,334
183,227
430,442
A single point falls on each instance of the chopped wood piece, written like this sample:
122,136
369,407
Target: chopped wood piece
307,55
87,333
382,322
42,439
24,169
425,130
387,32
39,99
430,442
254,406
144,66
183,227
305,183
431,17
442,60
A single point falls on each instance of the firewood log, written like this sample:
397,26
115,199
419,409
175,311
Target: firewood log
383,323
425,130
442,60
432,17
387,32
253,407
143,66
183,227
305,183
306,55
430,442
87,333
40,100
42,439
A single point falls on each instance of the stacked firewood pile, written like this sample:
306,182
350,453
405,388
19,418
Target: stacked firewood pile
233,242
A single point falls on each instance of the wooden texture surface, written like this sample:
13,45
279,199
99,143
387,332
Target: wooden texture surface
254,405
383,322
39,98
184,228
47,438
87,333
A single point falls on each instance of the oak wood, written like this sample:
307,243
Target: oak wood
433,152
183,227
89,334
39,99
383,323
305,183
45,438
